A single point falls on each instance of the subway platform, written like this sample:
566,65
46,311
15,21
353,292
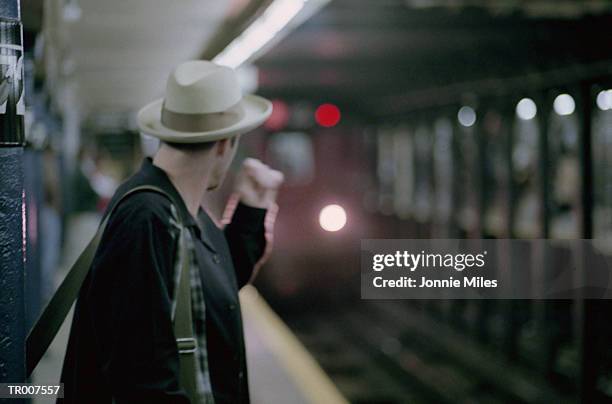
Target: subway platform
280,369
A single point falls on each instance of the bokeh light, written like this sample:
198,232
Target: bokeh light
279,117
327,115
526,109
332,217
564,104
466,116
604,100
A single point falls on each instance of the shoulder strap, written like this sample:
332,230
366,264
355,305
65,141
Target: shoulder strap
51,319
183,325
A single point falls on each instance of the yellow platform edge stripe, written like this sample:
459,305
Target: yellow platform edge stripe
310,378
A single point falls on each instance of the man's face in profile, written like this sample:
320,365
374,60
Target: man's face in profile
224,153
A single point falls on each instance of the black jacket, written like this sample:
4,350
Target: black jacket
121,343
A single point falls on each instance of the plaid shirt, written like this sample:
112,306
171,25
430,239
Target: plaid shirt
198,304
248,254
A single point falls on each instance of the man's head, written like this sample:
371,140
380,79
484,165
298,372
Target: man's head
216,155
203,103
201,116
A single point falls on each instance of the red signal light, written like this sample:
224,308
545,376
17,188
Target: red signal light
279,117
327,115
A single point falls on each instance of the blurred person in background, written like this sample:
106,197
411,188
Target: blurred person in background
82,216
122,346
85,198
103,179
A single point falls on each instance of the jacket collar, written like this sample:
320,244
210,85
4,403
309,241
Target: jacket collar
208,227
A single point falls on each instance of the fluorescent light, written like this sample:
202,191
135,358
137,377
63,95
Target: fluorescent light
260,32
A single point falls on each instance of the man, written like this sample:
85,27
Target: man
122,347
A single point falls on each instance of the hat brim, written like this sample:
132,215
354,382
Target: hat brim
256,111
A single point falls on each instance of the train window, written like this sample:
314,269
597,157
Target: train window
495,176
602,181
385,170
443,171
564,171
466,162
422,170
370,196
293,154
403,182
524,176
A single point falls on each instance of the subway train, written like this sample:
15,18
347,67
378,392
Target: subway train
521,170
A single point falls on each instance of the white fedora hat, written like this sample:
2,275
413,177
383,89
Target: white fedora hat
203,103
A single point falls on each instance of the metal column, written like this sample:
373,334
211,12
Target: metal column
12,212
592,310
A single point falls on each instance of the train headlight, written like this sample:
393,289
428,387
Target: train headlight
332,218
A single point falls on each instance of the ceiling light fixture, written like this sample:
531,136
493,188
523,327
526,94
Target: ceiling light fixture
266,30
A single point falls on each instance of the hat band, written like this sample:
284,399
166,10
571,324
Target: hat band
202,122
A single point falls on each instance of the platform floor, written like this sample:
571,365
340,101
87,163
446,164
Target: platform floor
281,371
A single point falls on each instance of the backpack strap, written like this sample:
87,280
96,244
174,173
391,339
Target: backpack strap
54,314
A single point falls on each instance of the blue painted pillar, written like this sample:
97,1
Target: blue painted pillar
12,212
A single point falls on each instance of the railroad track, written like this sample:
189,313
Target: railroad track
395,352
